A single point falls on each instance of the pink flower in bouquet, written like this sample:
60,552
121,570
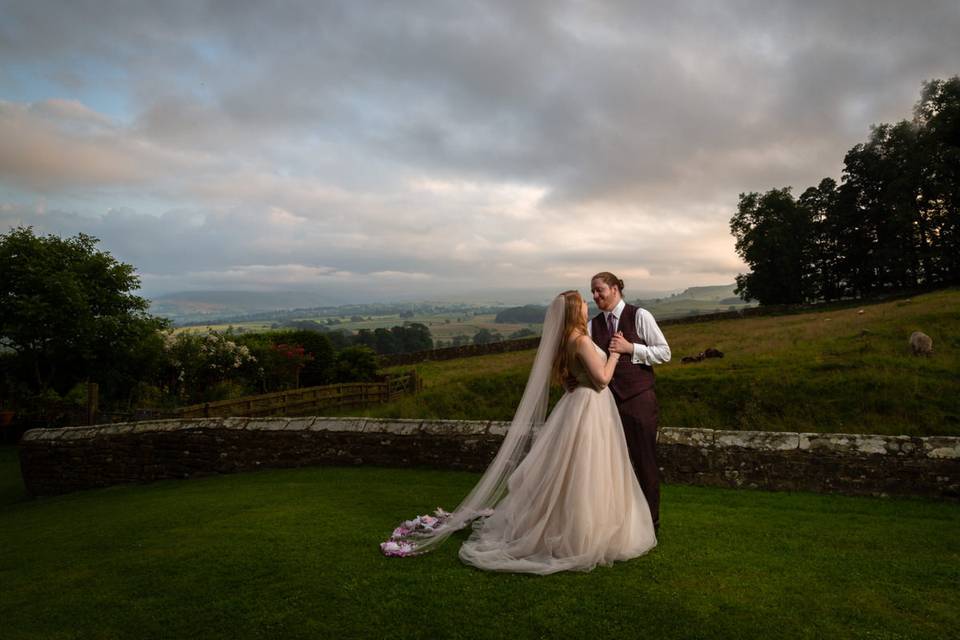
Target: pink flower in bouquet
396,549
424,524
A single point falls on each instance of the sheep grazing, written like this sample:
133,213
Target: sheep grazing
921,343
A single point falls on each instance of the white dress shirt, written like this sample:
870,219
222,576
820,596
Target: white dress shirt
656,351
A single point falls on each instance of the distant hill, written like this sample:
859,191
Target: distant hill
200,305
715,292
695,301
692,301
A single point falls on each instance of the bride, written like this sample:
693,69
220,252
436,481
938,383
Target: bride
573,501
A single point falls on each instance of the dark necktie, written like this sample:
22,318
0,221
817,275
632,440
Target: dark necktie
610,324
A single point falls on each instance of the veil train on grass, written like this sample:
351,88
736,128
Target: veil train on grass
424,533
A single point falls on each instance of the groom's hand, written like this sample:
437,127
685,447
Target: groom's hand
619,344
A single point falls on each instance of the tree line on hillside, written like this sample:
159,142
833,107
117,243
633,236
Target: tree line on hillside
411,336
892,223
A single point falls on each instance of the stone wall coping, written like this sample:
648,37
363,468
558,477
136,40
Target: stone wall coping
939,447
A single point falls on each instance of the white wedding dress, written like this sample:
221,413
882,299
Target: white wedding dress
568,504
574,501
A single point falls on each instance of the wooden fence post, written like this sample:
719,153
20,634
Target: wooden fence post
413,383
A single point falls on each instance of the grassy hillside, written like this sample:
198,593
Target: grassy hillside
696,301
836,370
293,554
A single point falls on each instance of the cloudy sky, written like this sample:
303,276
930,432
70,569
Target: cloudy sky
397,150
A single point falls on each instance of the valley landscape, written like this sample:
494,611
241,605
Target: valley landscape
217,311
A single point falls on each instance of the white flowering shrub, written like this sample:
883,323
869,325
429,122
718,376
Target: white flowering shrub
201,363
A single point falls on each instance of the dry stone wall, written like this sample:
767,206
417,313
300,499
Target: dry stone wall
55,461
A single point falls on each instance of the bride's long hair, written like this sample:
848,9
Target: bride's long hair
574,326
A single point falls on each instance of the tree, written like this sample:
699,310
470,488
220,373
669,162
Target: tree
412,337
384,341
356,364
339,339
885,232
294,358
318,369
938,116
69,313
774,236
485,336
820,205
892,223
526,313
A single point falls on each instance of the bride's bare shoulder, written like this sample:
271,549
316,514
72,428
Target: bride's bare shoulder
583,343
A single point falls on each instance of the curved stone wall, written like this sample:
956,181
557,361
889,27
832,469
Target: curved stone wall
55,461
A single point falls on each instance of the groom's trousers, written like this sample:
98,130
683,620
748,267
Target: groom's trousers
639,417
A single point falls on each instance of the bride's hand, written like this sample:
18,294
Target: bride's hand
620,345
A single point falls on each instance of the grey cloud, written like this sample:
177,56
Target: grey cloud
292,134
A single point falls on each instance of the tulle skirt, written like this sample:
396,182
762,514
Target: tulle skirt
573,502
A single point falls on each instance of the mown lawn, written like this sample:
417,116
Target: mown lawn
293,554
837,371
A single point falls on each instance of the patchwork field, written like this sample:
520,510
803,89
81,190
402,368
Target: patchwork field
466,322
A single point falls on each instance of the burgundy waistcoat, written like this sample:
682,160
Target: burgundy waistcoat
628,379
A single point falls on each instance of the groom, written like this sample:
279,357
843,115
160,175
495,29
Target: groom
633,332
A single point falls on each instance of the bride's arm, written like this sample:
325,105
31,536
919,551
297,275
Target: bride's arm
598,371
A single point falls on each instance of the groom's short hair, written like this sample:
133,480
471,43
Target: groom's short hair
610,280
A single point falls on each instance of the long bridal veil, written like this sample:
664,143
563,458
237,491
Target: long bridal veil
530,414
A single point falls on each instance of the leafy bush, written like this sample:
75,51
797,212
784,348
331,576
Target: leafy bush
198,363
356,364
485,336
